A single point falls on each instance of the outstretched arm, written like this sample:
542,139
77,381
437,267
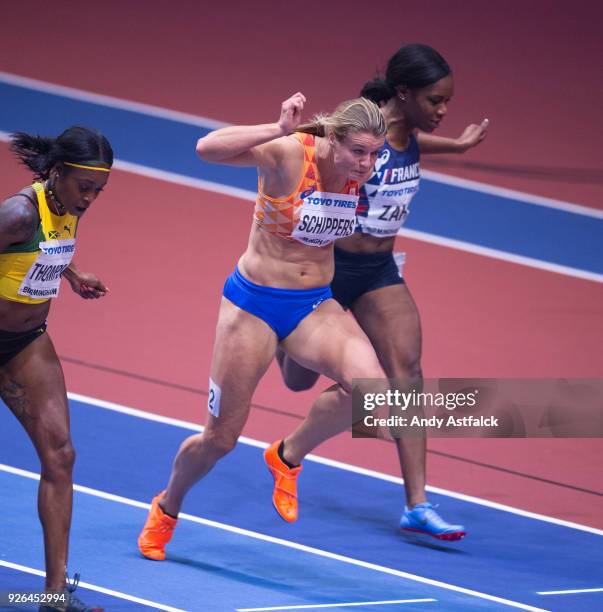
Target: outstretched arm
252,145
472,135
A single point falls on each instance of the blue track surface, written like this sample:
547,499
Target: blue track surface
486,220
342,512
12,581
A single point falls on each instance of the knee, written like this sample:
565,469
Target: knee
361,363
300,385
403,362
58,459
218,443
296,377
410,369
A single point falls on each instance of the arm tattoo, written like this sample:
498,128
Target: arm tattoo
22,226
18,219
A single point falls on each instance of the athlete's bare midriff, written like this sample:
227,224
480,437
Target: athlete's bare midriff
287,264
17,316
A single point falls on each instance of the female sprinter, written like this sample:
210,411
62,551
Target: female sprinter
280,291
414,96
38,229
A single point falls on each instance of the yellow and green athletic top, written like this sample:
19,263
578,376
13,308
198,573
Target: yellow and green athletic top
30,272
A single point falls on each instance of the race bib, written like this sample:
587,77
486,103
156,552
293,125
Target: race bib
325,217
388,207
43,279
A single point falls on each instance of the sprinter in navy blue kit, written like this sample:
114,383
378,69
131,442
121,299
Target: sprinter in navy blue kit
414,97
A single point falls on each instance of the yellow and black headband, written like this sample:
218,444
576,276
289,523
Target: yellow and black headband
88,167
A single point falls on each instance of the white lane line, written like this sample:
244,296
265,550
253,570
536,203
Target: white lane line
293,545
512,194
110,101
338,605
94,587
476,249
249,196
187,181
571,592
206,122
149,416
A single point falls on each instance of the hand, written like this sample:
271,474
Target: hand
472,135
88,286
291,112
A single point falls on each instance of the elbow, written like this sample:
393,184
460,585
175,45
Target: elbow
209,150
202,149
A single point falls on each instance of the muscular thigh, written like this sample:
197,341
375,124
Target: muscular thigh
243,349
331,342
390,319
33,387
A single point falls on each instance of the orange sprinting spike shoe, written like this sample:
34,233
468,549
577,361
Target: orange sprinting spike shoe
284,495
157,532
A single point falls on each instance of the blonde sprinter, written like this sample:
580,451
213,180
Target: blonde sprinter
279,293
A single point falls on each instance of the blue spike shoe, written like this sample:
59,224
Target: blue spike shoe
424,519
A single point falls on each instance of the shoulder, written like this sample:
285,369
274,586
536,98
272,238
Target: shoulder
281,155
286,146
19,217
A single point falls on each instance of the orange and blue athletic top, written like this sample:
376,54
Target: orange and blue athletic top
309,215
30,272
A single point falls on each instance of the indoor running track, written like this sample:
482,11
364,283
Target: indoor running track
530,307
232,552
